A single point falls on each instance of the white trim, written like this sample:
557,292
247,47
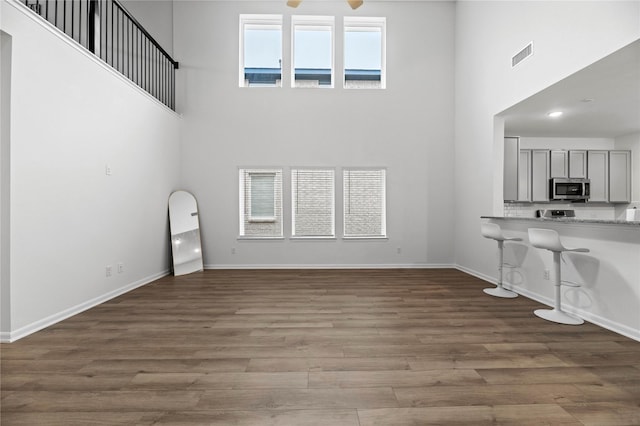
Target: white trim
335,266
616,327
257,21
351,23
12,336
315,23
81,49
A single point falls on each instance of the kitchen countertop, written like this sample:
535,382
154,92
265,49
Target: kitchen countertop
568,220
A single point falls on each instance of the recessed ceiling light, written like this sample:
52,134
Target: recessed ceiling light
554,114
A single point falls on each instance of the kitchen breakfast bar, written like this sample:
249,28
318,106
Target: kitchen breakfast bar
604,283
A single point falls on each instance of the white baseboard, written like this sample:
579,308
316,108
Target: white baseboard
616,327
333,266
8,337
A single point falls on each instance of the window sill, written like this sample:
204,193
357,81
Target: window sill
257,237
309,238
384,238
262,220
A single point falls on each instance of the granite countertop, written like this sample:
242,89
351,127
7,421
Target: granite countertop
568,220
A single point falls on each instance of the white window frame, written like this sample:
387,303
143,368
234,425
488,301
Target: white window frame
383,200
245,207
365,23
258,21
294,202
312,22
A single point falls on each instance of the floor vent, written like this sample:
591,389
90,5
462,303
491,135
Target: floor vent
522,55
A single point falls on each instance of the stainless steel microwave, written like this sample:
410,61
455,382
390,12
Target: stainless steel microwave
569,189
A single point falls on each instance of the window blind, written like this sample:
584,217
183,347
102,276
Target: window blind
260,202
364,193
312,202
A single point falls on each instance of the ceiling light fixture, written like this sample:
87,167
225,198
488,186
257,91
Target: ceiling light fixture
555,114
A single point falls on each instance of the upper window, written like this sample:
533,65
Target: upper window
312,203
261,203
364,192
312,47
364,53
260,50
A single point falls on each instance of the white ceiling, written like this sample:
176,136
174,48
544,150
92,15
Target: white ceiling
612,84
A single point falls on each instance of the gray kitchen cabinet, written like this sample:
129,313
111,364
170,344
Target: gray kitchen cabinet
598,174
559,163
510,177
540,173
524,175
578,164
619,176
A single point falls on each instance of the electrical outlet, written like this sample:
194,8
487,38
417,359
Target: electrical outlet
546,274
108,271
399,250
107,170
233,250
120,267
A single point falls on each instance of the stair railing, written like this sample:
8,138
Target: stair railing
109,31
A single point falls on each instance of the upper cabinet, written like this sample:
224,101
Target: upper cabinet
559,163
540,173
619,176
524,175
568,164
510,180
527,175
578,164
598,174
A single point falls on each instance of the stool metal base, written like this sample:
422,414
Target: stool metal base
560,317
500,292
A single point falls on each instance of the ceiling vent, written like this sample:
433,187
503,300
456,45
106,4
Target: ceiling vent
522,55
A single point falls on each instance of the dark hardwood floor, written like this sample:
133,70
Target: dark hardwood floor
319,347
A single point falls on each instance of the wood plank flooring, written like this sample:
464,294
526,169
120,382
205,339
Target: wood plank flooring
319,347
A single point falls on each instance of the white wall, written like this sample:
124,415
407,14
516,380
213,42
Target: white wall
567,37
5,167
68,218
406,128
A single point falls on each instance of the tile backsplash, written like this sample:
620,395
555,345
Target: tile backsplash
583,211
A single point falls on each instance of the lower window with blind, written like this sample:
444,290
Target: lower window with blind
365,207
261,203
313,203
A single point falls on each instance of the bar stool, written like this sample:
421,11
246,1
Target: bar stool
494,232
548,239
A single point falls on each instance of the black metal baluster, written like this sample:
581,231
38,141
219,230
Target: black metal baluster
130,48
118,38
173,88
80,25
73,18
64,16
112,60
